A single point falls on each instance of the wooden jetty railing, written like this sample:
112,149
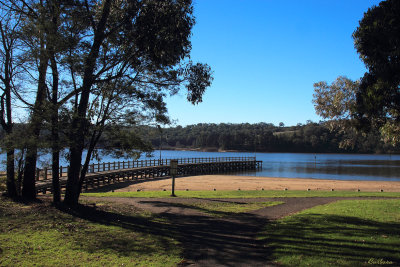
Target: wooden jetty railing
45,173
112,172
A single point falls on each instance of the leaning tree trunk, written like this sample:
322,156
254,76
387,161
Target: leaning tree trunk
77,137
73,187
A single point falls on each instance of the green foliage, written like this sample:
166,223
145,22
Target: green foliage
245,194
377,40
40,235
346,233
372,104
336,101
124,142
264,137
377,37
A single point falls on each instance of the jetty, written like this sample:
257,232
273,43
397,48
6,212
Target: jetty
106,173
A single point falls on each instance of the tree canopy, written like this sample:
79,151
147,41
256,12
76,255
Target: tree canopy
102,64
373,102
377,40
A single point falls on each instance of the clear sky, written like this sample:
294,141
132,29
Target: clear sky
266,55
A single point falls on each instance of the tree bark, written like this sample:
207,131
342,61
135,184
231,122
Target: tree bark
78,126
6,109
11,187
28,184
55,135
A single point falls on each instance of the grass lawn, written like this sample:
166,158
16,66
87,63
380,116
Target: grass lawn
245,194
345,233
41,235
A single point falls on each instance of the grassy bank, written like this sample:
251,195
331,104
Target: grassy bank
245,194
346,233
41,235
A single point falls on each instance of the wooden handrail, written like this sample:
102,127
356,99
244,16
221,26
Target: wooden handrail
121,165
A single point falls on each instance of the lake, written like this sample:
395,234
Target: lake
319,166
299,165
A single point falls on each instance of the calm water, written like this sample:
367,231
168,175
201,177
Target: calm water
297,165
320,166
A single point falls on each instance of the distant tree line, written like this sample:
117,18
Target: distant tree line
260,137
265,137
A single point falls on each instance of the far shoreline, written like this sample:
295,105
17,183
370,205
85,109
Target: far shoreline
214,149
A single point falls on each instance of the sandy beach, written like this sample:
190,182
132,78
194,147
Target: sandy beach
230,182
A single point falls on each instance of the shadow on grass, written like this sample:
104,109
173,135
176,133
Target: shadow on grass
205,240
136,224
122,184
103,188
203,207
334,240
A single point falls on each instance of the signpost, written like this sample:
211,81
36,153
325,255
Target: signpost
173,171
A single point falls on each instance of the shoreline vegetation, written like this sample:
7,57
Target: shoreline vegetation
244,137
264,137
215,149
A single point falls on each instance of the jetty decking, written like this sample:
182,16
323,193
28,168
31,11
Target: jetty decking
100,174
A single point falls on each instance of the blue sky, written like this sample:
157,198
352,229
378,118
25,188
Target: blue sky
266,55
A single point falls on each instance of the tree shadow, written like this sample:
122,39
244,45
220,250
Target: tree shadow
207,211
205,240
102,188
134,234
339,239
107,187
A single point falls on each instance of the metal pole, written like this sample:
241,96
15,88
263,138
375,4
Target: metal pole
173,171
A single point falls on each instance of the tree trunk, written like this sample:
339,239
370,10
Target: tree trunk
11,187
55,128
28,187
6,108
73,187
28,181
78,125
55,157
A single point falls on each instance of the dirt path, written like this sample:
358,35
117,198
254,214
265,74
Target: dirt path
227,241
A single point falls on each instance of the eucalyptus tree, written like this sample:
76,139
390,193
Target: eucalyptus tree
103,64
9,69
41,43
377,40
132,54
336,102
373,103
